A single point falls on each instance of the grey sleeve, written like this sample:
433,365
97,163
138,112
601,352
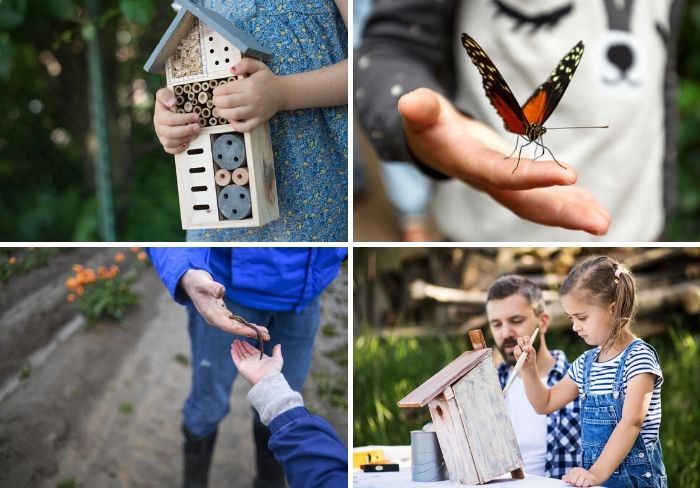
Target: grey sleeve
407,44
272,396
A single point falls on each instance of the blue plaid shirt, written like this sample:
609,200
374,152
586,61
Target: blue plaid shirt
563,426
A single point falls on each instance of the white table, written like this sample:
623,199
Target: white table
402,478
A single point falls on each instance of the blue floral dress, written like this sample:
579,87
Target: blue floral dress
309,145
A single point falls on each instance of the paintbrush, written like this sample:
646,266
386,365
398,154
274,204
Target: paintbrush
519,364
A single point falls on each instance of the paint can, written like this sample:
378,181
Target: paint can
427,463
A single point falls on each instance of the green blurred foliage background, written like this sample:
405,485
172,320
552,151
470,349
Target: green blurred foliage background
387,369
685,225
47,147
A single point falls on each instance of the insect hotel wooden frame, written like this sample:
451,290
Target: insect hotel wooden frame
471,419
224,178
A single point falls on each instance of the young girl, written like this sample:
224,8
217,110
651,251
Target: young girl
303,93
619,381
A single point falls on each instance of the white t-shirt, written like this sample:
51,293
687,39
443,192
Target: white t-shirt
530,428
621,166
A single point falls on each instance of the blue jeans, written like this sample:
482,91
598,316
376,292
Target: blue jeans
213,370
643,466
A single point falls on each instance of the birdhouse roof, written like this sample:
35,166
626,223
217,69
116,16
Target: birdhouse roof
182,24
444,378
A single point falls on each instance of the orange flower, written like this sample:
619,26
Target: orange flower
88,276
113,271
12,260
77,268
71,298
142,256
102,273
135,250
119,257
80,291
72,283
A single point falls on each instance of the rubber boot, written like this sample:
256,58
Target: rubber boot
198,451
270,473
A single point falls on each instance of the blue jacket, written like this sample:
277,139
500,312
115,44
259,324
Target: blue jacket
278,279
311,453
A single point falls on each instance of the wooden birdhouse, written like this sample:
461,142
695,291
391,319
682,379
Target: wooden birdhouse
471,419
224,178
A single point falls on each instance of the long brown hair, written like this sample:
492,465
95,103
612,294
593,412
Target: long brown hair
607,281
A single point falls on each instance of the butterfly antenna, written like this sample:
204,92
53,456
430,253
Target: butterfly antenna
580,127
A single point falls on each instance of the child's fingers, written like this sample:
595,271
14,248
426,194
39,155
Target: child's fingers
277,351
166,98
178,144
234,98
164,117
248,348
238,113
248,66
245,125
240,349
235,354
178,131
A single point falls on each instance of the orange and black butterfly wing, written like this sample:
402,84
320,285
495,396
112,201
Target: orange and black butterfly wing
497,90
546,97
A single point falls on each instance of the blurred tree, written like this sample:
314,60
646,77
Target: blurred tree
47,147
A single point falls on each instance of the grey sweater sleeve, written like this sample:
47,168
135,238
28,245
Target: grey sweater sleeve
272,396
407,44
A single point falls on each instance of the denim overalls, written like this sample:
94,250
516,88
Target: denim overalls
643,466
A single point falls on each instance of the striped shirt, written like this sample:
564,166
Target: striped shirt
641,359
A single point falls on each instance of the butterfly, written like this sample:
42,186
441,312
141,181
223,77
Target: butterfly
529,120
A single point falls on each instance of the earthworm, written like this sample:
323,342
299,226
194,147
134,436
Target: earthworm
255,328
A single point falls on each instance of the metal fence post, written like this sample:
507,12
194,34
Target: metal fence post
98,117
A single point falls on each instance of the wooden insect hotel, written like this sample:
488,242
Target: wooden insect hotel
471,419
224,178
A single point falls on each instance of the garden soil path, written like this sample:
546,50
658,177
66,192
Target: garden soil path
105,409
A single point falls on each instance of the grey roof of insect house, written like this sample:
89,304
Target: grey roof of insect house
447,376
182,24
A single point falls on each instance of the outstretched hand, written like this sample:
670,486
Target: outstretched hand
448,141
247,360
208,298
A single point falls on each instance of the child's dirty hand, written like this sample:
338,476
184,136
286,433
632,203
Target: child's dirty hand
175,131
581,477
248,102
525,346
208,298
247,360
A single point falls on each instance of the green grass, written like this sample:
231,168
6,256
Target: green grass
126,408
25,372
182,359
385,370
67,483
16,262
329,330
